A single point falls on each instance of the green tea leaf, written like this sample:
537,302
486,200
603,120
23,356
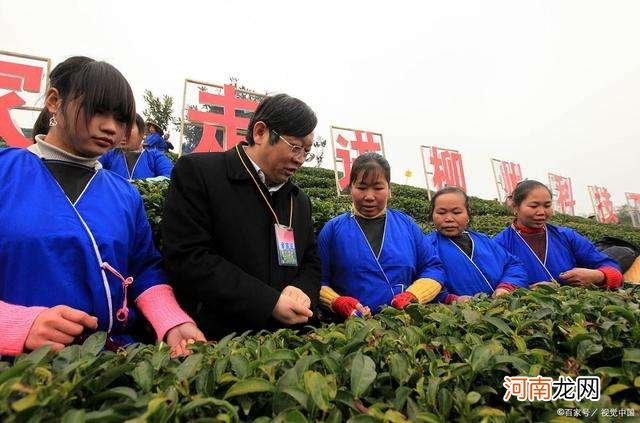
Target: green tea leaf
363,373
399,368
629,354
473,397
297,394
292,416
94,343
499,323
188,368
74,416
614,389
143,375
318,388
240,365
249,386
26,402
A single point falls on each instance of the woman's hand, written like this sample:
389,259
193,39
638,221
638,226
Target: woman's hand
581,277
58,326
463,298
499,293
349,307
180,336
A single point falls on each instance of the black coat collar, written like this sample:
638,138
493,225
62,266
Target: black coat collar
237,172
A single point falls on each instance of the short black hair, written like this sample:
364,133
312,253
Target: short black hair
285,115
369,162
41,125
524,188
98,86
449,190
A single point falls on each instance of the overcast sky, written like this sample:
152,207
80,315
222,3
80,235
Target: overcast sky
554,85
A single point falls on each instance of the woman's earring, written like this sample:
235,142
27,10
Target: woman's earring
53,121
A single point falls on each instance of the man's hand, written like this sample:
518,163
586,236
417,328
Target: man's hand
290,311
499,293
180,336
58,326
582,277
297,295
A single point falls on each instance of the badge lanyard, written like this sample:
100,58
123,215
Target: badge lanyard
285,240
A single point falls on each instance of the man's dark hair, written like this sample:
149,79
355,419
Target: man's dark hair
524,188
98,86
449,190
368,163
285,115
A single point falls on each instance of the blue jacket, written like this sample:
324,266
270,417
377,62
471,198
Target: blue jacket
51,250
350,268
155,141
489,265
150,164
566,249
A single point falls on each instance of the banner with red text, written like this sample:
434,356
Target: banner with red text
562,193
347,145
214,117
633,201
507,175
442,168
602,204
23,84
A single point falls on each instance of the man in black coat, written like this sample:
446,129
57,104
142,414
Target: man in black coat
221,217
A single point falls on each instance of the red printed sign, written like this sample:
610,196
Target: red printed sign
507,175
633,199
442,167
602,204
217,119
348,144
562,192
22,88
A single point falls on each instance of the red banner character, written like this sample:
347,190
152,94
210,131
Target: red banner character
633,199
564,195
604,205
511,176
17,78
359,146
447,169
228,120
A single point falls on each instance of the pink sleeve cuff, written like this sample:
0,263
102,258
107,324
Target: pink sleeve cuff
15,323
159,306
506,285
451,298
612,277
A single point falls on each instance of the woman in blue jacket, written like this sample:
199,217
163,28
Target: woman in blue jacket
472,261
133,162
553,253
374,256
154,139
76,252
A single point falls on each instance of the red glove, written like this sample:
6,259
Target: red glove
344,306
403,299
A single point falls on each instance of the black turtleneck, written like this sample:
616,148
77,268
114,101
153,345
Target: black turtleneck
374,231
464,242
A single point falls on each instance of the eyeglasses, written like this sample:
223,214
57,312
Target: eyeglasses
297,150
